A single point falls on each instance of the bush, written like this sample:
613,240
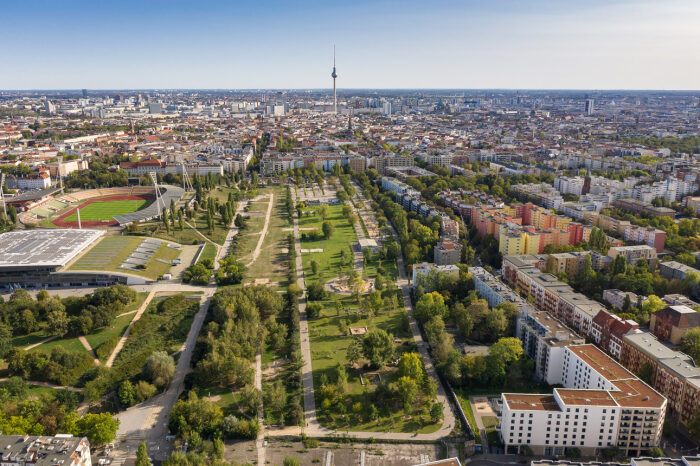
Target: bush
105,349
144,390
313,310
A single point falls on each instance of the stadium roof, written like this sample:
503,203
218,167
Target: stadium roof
43,248
168,193
31,195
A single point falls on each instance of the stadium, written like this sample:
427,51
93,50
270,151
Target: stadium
101,207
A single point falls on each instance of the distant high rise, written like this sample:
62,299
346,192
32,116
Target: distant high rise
334,75
588,108
84,93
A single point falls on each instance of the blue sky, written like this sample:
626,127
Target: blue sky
540,44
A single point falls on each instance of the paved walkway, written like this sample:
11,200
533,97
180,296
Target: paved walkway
263,233
87,346
45,340
122,340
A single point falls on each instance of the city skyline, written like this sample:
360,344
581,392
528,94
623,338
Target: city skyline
450,45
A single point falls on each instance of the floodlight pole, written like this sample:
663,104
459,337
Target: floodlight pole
80,226
2,193
58,171
159,199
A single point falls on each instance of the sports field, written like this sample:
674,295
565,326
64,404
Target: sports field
106,210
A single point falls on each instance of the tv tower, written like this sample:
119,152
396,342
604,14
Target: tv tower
334,75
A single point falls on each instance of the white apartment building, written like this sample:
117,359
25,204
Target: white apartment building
602,405
569,185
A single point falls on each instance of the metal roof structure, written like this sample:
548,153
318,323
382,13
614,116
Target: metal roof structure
43,248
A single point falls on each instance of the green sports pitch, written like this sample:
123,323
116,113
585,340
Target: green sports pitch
105,210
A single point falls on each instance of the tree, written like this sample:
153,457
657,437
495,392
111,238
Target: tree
314,267
316,291
436,412
691,344
378,347
408,390
5,340
98,428
694,425
57,321
430,305
291,461
323,211
160,368
127,394
354,352
646,373
327,229
142,456
411,365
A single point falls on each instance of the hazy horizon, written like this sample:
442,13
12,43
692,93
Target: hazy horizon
383,44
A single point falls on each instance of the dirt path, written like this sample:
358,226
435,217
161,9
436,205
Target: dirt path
50,385
263,233
45,340
87,346
122,340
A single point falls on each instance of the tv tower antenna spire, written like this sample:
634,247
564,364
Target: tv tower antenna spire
334,75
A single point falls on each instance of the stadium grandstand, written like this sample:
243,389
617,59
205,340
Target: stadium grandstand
167,193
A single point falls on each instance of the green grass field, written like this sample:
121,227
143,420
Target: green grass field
343,237
105,210
329,348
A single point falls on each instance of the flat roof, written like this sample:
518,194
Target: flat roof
572,396
601,362
634,393
531,402
43,248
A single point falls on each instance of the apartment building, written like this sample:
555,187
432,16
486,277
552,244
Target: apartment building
674,374
673,322
544,341
425,271
602,405
392,161
447,251
633,254
495,291
542,194
549,294
635,206
61,449
608,330
616,298
41,180
675,270
637,234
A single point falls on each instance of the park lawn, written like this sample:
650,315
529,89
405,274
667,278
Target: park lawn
119,325
272,263
105,210
113,262
208,253
247,238
37,392
221,193
72,345
328,349
343,237
22,341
